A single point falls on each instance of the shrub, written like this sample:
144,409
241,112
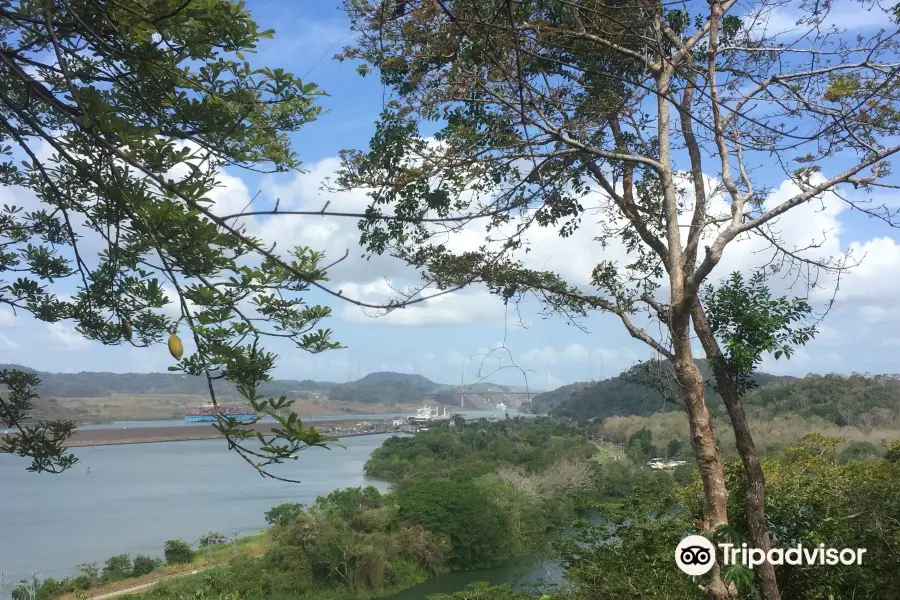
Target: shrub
857,450
117,568
284,514
143,565
178,552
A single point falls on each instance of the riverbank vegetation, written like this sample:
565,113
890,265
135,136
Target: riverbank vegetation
482,494
123,571
469,496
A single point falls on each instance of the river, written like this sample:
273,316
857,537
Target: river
136,497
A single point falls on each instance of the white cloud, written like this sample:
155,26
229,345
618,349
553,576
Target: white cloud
844,15
449,309
7,317
542,356
599,359
5,342
818,223
457,359
66,337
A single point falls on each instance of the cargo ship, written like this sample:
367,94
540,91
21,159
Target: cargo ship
207,412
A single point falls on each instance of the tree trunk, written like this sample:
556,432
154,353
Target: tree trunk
703,441
753,474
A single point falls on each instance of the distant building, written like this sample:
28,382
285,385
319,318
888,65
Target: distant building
399,421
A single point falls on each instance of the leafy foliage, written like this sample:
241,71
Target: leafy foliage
43,442
140,106
117,567
143,564
750,322
178,552
477,449
284,514
483,591
813,499
474,527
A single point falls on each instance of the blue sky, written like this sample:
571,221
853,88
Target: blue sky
454,336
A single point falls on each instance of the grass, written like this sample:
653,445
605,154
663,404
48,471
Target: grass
250,545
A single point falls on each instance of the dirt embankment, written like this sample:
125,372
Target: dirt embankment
153,407
176,433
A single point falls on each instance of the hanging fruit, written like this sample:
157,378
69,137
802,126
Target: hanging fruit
175,347
126,329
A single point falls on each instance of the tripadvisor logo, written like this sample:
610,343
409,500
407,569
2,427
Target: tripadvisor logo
696,555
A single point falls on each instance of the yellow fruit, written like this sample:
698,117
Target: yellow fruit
126,328
175,347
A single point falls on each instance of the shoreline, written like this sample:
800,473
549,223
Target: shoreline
178,433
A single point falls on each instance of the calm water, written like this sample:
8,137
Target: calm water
138,496
522,575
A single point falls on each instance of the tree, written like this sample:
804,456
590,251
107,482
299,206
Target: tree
749,322
475,527
648,116
893,453
673,448
144,565
815,498
284,514
640,445
139,107
117,568
178,552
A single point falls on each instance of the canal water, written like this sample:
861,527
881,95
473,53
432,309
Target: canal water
130,499
136,497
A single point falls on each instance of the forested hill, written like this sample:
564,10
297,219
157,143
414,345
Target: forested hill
381,387
620,395
857,399
860,400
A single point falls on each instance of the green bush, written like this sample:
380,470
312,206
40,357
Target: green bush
477,529
178,552
117,568
283,513
858,450
143,565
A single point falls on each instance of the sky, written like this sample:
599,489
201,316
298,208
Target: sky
471,335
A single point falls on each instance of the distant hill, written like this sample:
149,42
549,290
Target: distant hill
622,395
374,388
858,400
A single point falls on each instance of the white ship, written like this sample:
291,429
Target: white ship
428,414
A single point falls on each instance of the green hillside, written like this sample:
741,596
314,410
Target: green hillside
860,400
